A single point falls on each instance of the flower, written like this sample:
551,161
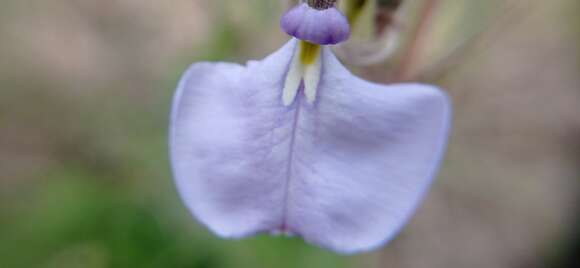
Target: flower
296,144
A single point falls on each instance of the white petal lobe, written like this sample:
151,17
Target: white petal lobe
312,79
293,79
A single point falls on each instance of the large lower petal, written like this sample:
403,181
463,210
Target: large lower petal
230,140
364,155
345,172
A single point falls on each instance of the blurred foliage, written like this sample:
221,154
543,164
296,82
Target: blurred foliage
94,223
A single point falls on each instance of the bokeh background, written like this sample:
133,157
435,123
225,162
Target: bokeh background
85,90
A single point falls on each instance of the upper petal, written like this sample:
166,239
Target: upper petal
323,27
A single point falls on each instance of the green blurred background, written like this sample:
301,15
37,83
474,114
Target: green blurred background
85,90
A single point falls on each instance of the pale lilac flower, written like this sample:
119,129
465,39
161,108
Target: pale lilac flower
296,144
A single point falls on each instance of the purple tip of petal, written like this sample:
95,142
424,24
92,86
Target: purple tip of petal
323,27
